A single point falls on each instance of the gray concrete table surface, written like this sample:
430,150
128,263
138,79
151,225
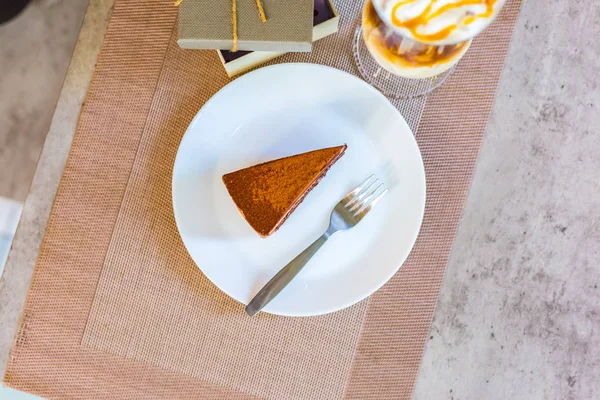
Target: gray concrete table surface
519,311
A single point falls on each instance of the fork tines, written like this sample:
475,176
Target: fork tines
364,197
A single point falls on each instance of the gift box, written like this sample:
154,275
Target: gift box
209,24
325,23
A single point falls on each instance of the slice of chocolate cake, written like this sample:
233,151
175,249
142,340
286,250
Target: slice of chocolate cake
268,193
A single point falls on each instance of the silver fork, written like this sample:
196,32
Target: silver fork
346,214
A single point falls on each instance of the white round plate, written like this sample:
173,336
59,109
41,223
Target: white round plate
280,111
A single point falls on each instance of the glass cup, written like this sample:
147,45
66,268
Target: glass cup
420,39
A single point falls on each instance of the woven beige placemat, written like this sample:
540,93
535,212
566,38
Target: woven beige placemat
118,310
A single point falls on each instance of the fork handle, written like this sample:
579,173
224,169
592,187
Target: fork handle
284,277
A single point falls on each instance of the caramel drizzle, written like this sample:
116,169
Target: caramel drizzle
414,23
388,44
